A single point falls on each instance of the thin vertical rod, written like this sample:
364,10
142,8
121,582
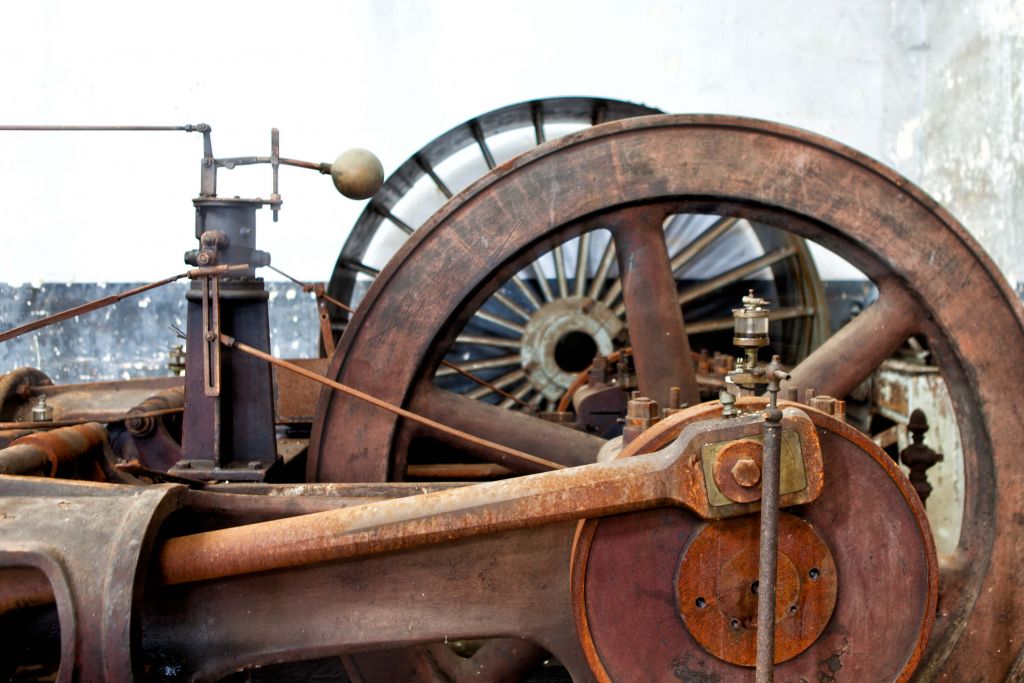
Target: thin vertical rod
563,284
607,258
542,281
768,547
582,261
538,123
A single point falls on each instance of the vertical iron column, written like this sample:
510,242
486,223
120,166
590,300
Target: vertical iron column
235,429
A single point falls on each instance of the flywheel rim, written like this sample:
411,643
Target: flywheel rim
786,177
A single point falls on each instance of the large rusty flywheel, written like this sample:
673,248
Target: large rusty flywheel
667,594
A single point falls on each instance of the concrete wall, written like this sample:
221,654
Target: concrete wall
968,134
930,87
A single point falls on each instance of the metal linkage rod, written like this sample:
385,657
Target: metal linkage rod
503,455
53,424
306,286
441,516
187,128
96,304
768,550
231,162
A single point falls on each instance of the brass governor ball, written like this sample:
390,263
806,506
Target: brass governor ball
357,173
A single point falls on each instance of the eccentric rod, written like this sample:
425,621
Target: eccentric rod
96,304
348,309
503,455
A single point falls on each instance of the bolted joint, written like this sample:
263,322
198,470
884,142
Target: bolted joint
746,472
641,414
829,406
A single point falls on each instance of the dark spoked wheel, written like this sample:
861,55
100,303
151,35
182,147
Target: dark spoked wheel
544,324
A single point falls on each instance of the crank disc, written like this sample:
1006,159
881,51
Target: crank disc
661,595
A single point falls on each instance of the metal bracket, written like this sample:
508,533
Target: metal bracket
211,335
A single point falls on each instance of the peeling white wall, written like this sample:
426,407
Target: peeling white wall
969,131
930,87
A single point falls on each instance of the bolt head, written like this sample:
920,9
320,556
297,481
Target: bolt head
746,472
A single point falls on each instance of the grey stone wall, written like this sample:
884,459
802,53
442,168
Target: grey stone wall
131,338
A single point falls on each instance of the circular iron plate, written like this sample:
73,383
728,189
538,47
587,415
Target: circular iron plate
627,574
717,588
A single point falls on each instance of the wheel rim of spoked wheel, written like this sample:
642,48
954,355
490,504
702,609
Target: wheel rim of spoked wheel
932,276
574,284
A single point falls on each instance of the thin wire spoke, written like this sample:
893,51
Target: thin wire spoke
607,258
502,322
582,262
735,275
518,393
429,170
512,305
484,340
537,114
475,365
481,141
703,241
563,285
542,281
357,266
383,211
527,292
502,382
613,293
720,324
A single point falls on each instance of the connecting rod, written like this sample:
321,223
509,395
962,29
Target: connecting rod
641,482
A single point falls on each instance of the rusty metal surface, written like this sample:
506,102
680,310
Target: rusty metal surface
60,452
156,437
625,590
885,226
718,589
103,401
95,567
490,586
295,396
624,567
673,476
718,592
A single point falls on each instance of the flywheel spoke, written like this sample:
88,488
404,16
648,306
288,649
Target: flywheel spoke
721,324
852,354
694,248
498,320
582,262
604,265
487,340
501,382
542,281
563,285
511,305
734,275
654,319
482,364
536,437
